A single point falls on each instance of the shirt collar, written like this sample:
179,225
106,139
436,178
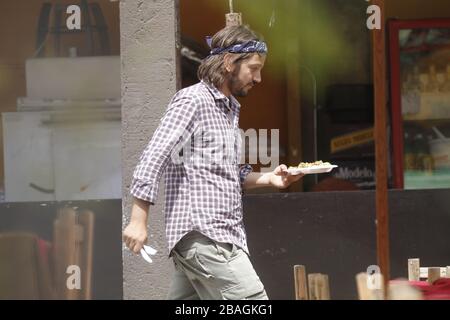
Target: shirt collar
218,95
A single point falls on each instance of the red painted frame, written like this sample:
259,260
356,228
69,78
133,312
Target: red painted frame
396,113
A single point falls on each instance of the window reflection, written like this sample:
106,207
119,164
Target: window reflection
60,177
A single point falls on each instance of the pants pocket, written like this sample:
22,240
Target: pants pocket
226,250
246,283
189,261
245,290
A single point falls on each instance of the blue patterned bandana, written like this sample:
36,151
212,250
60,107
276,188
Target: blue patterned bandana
247,47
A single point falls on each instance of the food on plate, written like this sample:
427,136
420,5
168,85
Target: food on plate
312,167
319,163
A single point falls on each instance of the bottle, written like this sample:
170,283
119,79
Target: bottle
406,93
407,83
433,83
409,162
428,162
416,84
445,87
411,97
422,152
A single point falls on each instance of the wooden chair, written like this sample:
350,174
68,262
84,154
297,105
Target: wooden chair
24,267
366,292
431,274
397,290
73,246
31,268
317,287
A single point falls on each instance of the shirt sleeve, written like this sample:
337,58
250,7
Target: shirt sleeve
244,171
175,127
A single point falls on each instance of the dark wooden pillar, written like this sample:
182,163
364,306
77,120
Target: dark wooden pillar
381,145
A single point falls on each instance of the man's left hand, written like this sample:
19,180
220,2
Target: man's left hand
281,178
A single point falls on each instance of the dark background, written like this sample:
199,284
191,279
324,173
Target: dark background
335,233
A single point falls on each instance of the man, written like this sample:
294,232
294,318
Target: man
203,210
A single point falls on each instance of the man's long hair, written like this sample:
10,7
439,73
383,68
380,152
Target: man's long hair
212,69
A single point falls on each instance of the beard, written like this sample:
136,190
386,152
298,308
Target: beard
237,87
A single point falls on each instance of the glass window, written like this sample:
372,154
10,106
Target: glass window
420,103
60,176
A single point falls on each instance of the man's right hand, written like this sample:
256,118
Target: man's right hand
135,234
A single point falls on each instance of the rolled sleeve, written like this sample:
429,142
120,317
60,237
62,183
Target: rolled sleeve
175,127
145,191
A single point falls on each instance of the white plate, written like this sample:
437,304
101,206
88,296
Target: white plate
312,169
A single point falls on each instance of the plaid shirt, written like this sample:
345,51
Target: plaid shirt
201,194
